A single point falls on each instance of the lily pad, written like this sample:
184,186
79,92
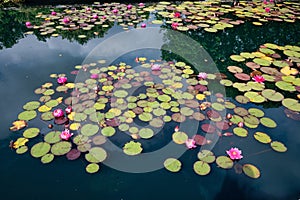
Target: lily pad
31,132
179,137
237,58
224,162
108,131
278,146
255,97
96,155
89,129
268,122
291,104
27,115
146,133
172,164
32,105
206,156
201,168
262,137
132,148
73,154
251,171
61,148
47,158
256,112
240,132
92,168
22,149
40,149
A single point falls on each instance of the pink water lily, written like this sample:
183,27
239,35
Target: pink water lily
177,14
141,4
57,113
88,9
62,80
267,9
115,11
240,124
129,6
28,24
95,16
174,25
176,129
190,143
68,109
234,154
103,17
143,25
155,67
53,13
66,20
94,76
65,135
258,79
202,75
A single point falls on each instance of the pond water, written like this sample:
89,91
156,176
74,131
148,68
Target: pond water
27,60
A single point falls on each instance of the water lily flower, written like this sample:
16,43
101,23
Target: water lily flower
28,24
202,75
176,129
190,143
94,76
155,67
65,135
68,109
267,9
258,79
62,80
229,116
141,4
265,2
57,113
240,124
234,154
177,14
115,11
103,17
129,6
53,13
88,9
174,25
95,16
143,25
66,20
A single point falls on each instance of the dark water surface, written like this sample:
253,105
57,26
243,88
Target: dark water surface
27,65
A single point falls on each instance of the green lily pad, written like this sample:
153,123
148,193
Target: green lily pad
251,171
255,97
230,105
132,148
236,119
262,62
146,117
27,115
242,99
237,58
272,95
61,148
47,158
40,149
224,162
92,168
278,146
51,103
123,127
22,149
206,156
146,133
201,168
31,132
52,137
172,164
186,111
218,106
280,63
120,93
291,104
108,131
79,139
240,132
285,86
47,116
89,129
226,82
31,105
256,112
179,137
262,137
240,111
251,120
164,98
96,155
268,122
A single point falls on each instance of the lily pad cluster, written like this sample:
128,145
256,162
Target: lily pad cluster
278,67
